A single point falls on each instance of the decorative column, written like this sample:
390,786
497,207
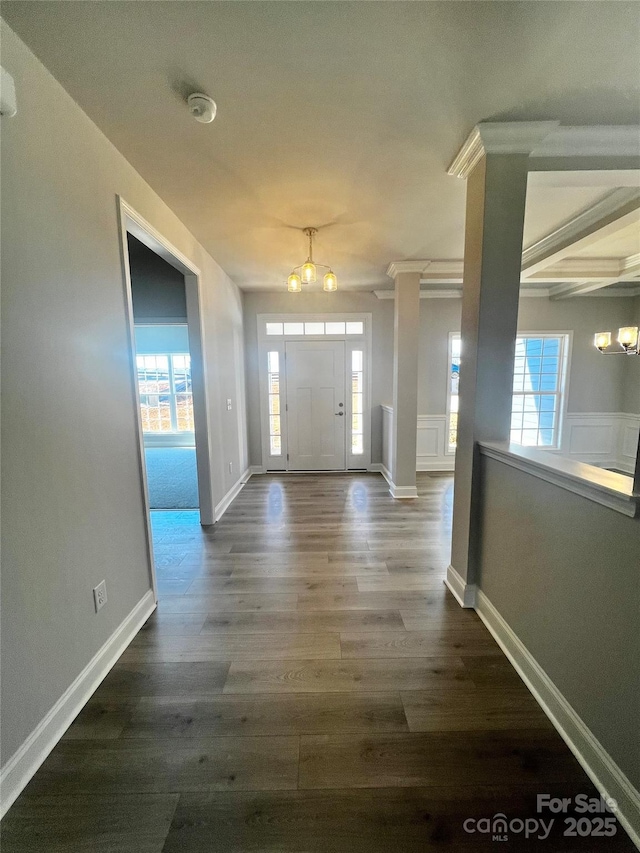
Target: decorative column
405,381
495,161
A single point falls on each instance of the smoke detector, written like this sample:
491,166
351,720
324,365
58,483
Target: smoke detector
202,107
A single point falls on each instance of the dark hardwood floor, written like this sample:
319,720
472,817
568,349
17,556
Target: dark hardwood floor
307,685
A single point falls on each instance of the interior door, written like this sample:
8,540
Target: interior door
316,417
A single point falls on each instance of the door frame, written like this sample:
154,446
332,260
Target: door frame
269,343
131,222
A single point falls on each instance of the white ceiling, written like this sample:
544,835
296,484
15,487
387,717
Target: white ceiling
341,115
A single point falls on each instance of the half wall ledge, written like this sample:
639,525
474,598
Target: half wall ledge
596,484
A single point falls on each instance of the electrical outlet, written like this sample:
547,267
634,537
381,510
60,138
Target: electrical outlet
228,404
100,595
231,467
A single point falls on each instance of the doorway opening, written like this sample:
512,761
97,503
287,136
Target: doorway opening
162,297
163,368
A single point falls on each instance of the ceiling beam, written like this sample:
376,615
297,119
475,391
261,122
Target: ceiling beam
570,270
611,214
628,270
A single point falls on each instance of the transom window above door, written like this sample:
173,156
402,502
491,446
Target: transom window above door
329,327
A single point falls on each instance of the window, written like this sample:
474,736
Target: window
273,387
538,388
315,328
166,397
454,383
357,397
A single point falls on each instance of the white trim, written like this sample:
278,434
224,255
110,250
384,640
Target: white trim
603,487
589,223
513,137
398,492
131,222
169,439
256,469
231,495
396,267
599,766
431,443
432,453
604,439
463,592
402,493
543,140
22,766
271,343
386,473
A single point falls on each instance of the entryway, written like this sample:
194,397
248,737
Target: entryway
315,380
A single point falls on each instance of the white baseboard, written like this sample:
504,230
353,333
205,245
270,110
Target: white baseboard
233,492
376,468
463,592
596,762
398,492
22,766
256,469
441,465
402,492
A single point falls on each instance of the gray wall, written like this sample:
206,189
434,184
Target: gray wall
157,289
156,338
596,383
321,303
563,572
72,506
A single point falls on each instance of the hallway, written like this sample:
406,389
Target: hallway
307,684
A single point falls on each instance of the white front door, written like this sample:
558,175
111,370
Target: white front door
316,416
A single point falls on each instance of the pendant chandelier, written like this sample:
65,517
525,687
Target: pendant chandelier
306,273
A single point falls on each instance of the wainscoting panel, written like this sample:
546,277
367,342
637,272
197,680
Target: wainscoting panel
605,439
628,446
431,452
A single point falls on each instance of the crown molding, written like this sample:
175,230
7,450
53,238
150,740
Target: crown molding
512,137
546,141
604,140
396,267
456,293
630,267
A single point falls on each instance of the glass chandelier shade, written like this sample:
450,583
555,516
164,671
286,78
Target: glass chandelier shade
602,340
627,338
330,282
308,272
294,284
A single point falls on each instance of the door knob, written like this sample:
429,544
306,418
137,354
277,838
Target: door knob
340,413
